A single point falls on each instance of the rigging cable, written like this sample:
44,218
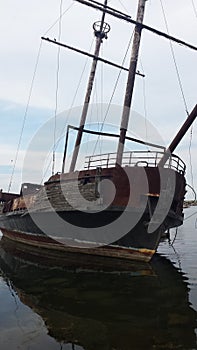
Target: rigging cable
70,109
194,8
194,192
174,59
191,132
190,157
113,92
145,105
78,86
92,112
101,105
189,216
123,6
28,101
76,92
58,19
171,244
175,236
24,118
182,92
57,89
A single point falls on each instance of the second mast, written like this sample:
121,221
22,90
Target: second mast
100,30
130,82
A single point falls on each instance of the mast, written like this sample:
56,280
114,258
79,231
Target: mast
177,139
130,81
100,30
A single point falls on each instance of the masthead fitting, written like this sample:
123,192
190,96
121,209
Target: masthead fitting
101,32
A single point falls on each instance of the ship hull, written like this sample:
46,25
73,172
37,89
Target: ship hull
117,227
137,244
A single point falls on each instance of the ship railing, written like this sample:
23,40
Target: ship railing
135,158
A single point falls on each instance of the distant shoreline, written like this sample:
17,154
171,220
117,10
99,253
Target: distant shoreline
189,203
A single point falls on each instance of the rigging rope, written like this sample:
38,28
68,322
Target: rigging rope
194,192
123,6
182,92
185,104
102,99
24,118
58,19
145,106
174,59
57,89
69,111
113,92
28,100
78,86
92,111
194,8
190,156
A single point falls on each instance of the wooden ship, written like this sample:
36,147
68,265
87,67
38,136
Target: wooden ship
149,186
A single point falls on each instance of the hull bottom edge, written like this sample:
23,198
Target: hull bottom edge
40,245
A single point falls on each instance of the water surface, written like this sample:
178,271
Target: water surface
149,306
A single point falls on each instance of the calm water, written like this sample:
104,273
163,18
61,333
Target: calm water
153,306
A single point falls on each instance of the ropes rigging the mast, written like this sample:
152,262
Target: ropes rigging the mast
57,88
69,111
107,7
144,102
190,157
174,59
182,93
122,5
194,8
127,18
113,92
59,18
28,100
24,118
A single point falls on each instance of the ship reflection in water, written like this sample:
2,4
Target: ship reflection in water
141,308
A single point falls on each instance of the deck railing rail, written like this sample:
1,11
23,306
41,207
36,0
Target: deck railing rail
135,158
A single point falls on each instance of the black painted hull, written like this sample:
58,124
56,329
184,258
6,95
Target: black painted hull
101,225
23,228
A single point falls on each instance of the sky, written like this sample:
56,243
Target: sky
57,78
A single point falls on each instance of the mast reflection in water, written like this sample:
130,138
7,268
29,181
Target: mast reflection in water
142,308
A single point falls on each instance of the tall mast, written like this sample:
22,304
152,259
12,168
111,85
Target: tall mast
100,30
177,139
130,81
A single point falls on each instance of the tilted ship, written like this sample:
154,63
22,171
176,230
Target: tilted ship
120,205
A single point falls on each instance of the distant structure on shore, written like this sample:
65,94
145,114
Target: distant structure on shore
189,203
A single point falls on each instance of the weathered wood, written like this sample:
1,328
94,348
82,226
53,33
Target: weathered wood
143,26
181,133
5,196
99,40
110,251
89,55
130,82
55,196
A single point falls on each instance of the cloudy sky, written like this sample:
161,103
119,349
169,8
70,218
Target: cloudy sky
157,97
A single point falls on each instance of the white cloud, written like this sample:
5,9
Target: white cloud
24,23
